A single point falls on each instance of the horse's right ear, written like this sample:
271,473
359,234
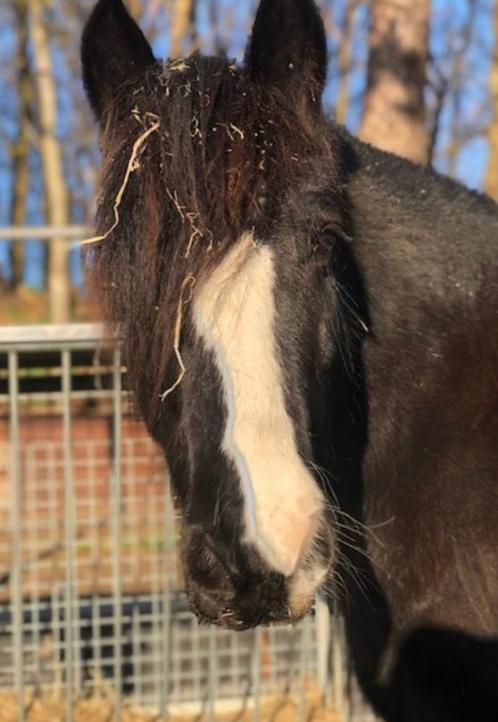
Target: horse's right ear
288,49
113,48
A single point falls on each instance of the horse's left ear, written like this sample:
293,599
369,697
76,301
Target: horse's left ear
288,48
113,49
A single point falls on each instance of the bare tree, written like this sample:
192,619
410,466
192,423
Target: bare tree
20,146
491,180
183,29
458,86
56,196
394,108
135,8
344,59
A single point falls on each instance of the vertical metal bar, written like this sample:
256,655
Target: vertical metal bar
53,533
117,533
273,658
338,662
303,669
322,626
134,528
350,682
57,636
16,534
35,519
212,675
96,642
197,669
97,673
169,536
156,586
256,674
69,530
138,661
235,644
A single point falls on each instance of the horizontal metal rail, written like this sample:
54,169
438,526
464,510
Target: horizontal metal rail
45,337
44,233
103,608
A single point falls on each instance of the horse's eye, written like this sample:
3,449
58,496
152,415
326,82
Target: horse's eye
318,254
320,263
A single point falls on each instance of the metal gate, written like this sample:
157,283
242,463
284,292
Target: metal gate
91,592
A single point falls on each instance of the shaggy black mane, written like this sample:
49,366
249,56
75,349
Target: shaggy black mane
227,157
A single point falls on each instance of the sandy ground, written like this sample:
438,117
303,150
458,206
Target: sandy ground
284,709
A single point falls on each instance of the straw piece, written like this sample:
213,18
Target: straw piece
133,165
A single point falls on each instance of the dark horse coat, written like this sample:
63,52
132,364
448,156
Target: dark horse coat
374,286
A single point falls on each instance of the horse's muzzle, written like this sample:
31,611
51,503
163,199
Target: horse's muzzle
235,589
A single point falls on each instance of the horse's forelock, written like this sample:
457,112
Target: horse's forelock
219,162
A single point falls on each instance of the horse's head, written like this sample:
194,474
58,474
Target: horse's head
216,221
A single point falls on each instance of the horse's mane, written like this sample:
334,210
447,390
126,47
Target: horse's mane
220,158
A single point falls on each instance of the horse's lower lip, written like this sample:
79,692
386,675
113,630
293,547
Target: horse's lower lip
234,621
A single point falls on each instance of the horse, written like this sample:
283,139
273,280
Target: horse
310,327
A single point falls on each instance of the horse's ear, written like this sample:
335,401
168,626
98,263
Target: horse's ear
113,48
288,48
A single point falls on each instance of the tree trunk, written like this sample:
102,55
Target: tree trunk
135,8
458,81
56,195
394,110
491,181
183,15
20,146
344,61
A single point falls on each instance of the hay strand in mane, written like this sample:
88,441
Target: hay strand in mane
178,332
133,165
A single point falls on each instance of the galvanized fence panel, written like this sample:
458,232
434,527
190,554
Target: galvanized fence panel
91,590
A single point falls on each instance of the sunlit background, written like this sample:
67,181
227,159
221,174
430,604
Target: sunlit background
94,624
458,100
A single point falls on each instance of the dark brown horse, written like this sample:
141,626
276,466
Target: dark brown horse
311,334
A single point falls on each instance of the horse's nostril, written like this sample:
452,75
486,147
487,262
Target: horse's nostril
204,564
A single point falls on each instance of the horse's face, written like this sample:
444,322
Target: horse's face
257,542
212,255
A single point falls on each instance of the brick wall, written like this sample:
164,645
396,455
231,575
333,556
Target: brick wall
147,542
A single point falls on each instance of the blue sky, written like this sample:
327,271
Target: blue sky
236,14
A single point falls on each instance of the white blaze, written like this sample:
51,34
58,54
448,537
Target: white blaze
234,314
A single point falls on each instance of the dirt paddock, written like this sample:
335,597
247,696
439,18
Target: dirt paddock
276,709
